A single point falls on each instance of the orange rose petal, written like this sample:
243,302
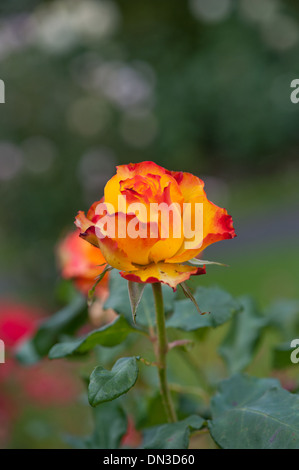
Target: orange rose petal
112,253
217,226
82,222
113,195
77,258
170,245
165,249
112,191
119,253
115,257
141,168
170,274
140,188
91,214
90,236
81,262
137,248
191,186
147,182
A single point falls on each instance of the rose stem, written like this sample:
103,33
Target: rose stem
161,352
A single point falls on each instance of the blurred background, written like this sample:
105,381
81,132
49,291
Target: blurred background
199,85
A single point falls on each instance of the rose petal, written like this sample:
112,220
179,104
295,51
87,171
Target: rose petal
217,226
171,274
191,186
82,222
112,252
116,188
77,258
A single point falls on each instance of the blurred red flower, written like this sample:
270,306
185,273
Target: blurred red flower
17,322
43,384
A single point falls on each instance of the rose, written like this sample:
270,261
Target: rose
82,263
151,256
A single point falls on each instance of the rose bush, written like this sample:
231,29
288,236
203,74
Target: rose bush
135,243
152,257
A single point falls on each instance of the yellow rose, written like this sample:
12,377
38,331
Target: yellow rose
135,233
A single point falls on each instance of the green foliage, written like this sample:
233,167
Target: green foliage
281,356
110,335
135,295
110,425
99,278
259,413
283,315
107,385
173,435
244,333
217,306
251,413
152,411
64,322
145,310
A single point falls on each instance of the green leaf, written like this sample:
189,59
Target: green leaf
109,335
119,299
283,315
243,336
152,409
110,427
91,292
146,311
173,435
189,295
202,262
135,294
252,413
219,305
120,302
107,385
282,356
66,321
238,390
